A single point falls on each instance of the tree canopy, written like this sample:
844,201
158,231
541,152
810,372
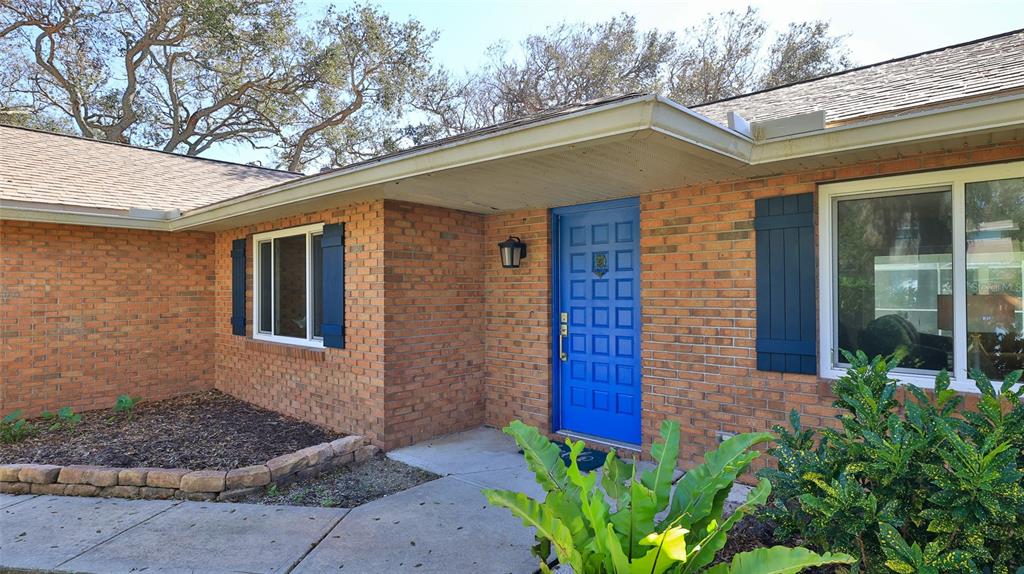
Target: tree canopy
190,75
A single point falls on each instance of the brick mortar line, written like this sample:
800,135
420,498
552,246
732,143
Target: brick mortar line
101,543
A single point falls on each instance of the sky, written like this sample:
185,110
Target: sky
876,30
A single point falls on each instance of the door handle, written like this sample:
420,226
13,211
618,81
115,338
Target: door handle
563,331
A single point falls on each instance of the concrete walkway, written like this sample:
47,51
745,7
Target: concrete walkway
443,526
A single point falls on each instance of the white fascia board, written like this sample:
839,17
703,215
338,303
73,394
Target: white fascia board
624,117
69,215
686,125
963,119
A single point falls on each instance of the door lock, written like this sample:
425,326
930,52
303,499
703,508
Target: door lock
563,331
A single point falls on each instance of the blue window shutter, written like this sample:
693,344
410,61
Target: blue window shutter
333,246
238,287
786,305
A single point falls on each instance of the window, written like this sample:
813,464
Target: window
931,264
288,268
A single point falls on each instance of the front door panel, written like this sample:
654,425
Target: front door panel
598,295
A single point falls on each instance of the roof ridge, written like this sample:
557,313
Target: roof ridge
860,68
140,148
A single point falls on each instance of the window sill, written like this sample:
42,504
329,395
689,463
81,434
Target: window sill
307,352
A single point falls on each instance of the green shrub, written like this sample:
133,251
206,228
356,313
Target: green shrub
926,485
125,405
614,525
14,427
64,418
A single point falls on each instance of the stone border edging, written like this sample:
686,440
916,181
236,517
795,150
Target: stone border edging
182,483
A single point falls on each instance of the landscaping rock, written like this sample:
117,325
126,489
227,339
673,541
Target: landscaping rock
166,477
249,476
48,488
317,454
15,487
133,476
9,472
88,474
286,464
197,496
82,490
346,445
238,493
367,452
203,481
306,473
156,493
120,492
39,473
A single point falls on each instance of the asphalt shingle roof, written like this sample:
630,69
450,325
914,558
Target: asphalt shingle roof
67,170
984,67
56,169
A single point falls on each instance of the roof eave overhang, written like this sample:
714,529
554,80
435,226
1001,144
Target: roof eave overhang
630,116
75,215
951,121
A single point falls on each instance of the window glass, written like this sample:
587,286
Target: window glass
318,287
894,283
265,285
290,286
995,273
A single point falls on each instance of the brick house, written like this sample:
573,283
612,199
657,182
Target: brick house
697,264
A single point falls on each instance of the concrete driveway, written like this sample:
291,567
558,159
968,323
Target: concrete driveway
442,526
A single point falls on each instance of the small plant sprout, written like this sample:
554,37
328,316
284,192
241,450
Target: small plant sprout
64,418
125,405
14,427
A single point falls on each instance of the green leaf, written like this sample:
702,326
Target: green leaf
635,520
700,492
534,515
782,560
659,479
614,475
543,457
705,551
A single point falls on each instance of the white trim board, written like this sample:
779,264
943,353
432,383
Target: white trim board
305,230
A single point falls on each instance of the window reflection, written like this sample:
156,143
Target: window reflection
290,286
995,273
894,258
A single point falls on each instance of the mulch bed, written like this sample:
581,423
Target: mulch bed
208,430
349,486
752,532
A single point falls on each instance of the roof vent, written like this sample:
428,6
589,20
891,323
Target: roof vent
142,213
789,126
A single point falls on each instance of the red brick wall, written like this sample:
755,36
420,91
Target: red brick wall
517,320
89,313
433,333
413,360
698,302
339,388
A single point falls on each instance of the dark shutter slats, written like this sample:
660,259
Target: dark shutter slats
786,306
333,245
238,287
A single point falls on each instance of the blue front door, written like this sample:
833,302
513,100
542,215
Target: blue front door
597,314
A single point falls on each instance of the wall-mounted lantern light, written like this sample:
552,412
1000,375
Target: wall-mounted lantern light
512,250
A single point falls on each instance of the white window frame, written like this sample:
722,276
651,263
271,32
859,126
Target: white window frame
309,231
954,180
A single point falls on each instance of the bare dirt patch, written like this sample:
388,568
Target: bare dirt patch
349,486
208,430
